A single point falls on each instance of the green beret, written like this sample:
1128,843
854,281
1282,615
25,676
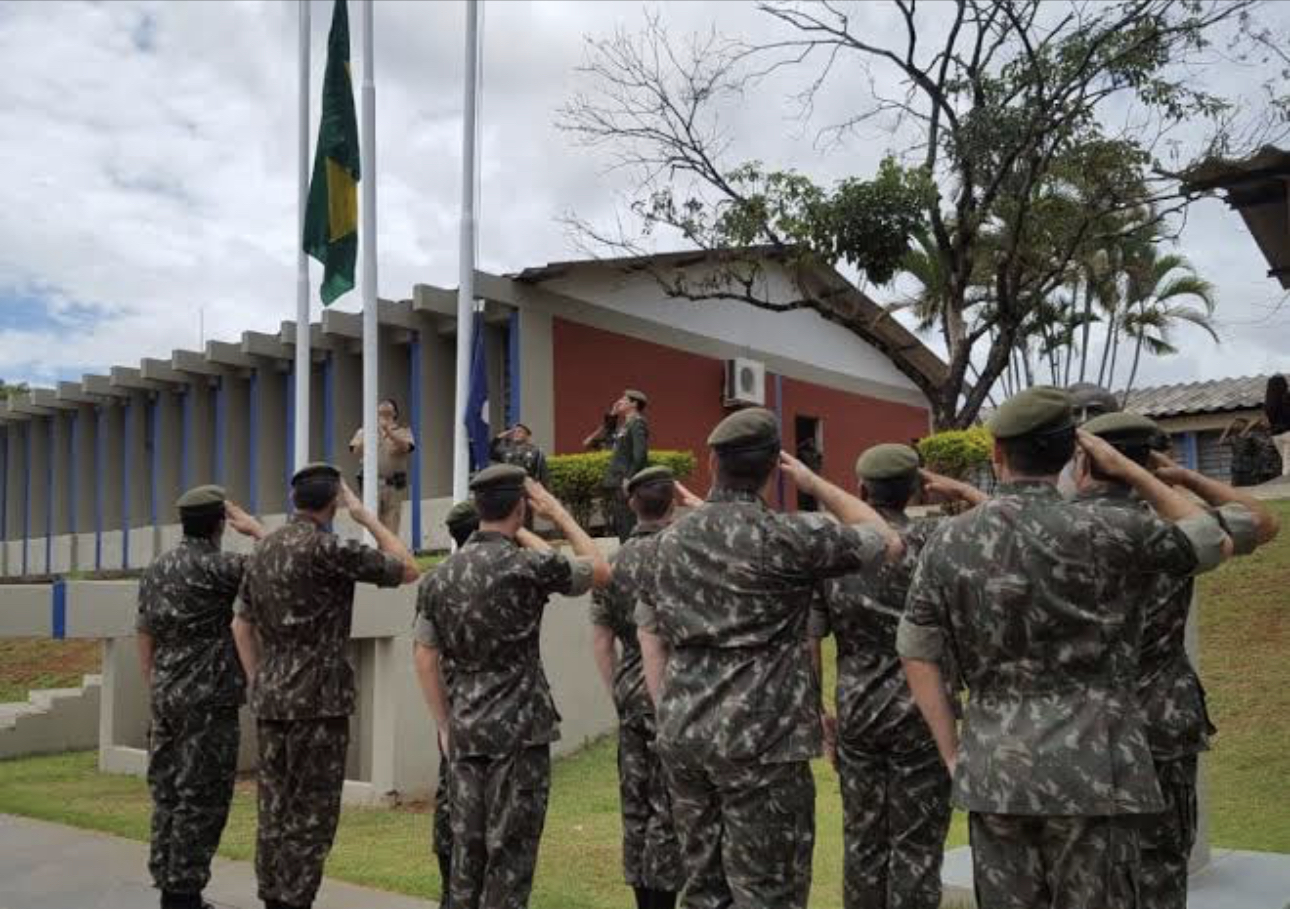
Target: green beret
748,429
651,475
1090,400
636,396
499,477
1123,427
462,514
1035,412
315,470
201,499
887,460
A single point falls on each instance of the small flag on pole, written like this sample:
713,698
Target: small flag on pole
331,216
476,417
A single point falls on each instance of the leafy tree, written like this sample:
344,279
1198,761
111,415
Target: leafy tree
1031,136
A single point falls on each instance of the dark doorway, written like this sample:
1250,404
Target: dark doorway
808,446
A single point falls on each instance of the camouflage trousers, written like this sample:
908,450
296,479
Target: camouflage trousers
1023,862
191,768
498,812
302,772
1167,838
441,833
747,832
895,816
651,855
619,517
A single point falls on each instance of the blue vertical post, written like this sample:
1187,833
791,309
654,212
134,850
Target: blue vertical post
26,500
127,456
779,418
100,481
186,437
329,406
514,413
1191,451
221,427
152,431
291,430
414,409
49,495
253,443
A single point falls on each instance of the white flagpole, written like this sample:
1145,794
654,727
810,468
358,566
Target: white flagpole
371,482
302,258
466,257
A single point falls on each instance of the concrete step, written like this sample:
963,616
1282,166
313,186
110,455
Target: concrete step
52,720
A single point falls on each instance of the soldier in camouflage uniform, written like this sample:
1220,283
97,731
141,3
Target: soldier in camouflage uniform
516,447
1169,690
479,613
1039,602
651,857
294,615
462,522
895,790
723,638
626,433
190,664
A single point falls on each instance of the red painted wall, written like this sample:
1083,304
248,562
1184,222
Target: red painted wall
592,367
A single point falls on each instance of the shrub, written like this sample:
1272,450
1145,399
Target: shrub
575,477
958,454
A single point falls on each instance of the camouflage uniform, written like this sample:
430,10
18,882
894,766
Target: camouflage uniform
482,609
1173,704
895,789
527,456
299,594
186,605
1040,603
630,454
651,856
738,717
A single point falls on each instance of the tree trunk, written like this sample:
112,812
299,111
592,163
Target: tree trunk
1133,373
1115,356
1106,347
1088,323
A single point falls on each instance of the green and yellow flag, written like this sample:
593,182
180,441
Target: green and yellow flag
331,216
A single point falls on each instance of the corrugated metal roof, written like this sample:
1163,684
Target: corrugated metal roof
1227,395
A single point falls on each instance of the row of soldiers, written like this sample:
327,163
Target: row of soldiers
1061,617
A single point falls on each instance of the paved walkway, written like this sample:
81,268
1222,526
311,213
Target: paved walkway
48,866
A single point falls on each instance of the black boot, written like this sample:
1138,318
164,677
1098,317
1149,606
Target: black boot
445,875
171,900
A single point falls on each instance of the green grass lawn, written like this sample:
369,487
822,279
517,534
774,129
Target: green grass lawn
1245,640
32,664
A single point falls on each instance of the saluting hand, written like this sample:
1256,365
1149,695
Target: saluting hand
541,501
797,471
241,521
685,497
349,500
1106,457
949,488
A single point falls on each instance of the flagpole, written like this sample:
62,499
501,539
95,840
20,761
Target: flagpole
466,256
302,258
371,481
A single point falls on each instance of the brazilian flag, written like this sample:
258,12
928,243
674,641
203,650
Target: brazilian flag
331,216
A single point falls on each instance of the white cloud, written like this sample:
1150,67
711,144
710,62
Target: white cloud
151,182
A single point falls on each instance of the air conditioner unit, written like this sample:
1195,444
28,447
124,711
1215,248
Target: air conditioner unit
745,382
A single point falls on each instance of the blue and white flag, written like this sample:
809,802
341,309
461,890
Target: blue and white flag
476,417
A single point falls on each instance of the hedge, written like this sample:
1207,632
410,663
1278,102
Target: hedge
958,454
575,477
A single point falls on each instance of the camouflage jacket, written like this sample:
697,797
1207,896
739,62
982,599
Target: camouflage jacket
482,609
186,604
615,607
732,587
875,709
299,593
1040,602
1169,689
630,452
528,457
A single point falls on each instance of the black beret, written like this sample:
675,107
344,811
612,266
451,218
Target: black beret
748,429
499,477
1123,427
316,470
1038,411
651,475
201,500
887,460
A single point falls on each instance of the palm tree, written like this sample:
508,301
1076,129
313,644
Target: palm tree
1155,288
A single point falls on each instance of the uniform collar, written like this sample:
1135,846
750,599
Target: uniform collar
480,536
199,544
893,517
649,527
1029,487
1108,490
730,495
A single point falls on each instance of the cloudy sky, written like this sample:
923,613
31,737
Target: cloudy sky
149,157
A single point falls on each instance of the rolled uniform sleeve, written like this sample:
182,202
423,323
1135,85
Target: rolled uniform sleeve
646,616
601,613
244,605
362,564
143,618
1205,536
1241,526
921,634
557,573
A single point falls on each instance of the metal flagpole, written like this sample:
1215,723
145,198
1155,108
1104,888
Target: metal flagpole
371,482
466,257
302,258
